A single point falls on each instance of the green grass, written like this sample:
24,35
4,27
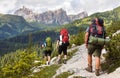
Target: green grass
64,75
46,72
110,67
78,77
50,71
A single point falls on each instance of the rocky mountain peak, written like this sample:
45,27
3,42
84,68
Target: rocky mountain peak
78,16
26,13
57,17
59,11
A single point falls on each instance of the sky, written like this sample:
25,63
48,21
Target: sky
70,6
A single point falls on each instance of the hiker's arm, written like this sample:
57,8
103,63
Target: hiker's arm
86,39
42,46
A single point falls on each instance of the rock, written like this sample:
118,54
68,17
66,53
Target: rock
78,63
36,70
73,45
57,17
26,13
117,32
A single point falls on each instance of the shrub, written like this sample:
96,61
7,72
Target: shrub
77,39
113,56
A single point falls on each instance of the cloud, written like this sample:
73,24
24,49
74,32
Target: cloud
71,6
93,6
6,7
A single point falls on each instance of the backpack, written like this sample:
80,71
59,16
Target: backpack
65,37
97,31
97,35
48,44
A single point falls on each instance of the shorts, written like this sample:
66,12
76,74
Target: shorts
63,49
47,53
96,49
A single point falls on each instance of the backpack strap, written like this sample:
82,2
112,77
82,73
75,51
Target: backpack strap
61,36
91,33
104,32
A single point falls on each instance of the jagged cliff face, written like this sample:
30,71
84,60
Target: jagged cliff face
58,17
78,16
26,13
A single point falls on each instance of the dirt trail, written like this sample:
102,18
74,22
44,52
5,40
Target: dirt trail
78,63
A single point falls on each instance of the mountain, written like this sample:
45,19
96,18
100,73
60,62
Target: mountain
12,25
14,65
26,13
108,16
78,16
57,17
74,27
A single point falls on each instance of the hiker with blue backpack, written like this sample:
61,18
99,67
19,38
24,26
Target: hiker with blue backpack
63,43
95,41
47,50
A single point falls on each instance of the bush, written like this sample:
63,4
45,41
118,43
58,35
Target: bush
113,56
17,65
77,39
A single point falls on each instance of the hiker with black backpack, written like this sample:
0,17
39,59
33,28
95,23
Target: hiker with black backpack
47,46
95,31
63,43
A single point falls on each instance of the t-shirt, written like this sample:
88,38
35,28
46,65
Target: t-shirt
87,30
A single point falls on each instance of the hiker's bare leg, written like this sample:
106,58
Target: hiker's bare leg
49,58
65,59
89,60
97,66
97,62
59,59
89,68
59,56
65,56
45,59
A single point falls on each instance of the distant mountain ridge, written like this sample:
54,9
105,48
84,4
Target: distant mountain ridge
12,25
39,36
57,17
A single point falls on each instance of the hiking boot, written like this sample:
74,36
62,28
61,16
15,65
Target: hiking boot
59,61
48,63
89,68
97,73
65,61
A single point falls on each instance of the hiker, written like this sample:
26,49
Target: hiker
96,29
63,43
47,50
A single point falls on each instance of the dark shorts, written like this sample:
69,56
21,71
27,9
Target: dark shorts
96,49
62,48
47,53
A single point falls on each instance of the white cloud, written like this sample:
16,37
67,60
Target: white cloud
71,6
6,7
